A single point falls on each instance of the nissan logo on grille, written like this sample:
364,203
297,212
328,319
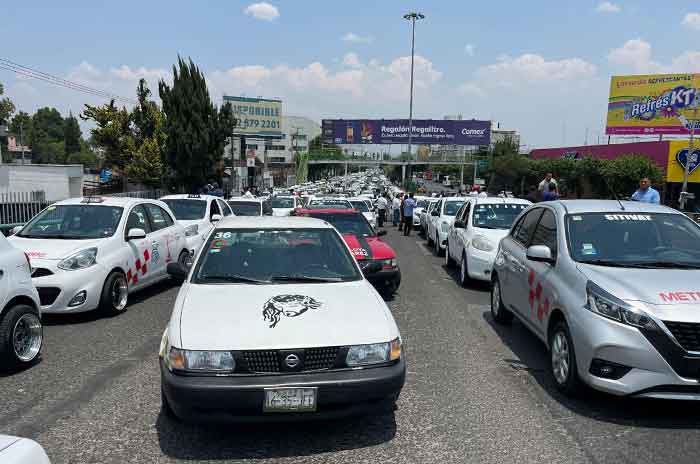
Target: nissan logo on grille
292,361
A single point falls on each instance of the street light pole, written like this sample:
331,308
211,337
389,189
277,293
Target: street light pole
413,17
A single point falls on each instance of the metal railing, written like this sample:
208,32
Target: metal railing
145,194
16,208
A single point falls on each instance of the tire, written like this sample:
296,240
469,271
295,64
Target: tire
183,259
21,336
427,237
562,366
463,271
449,262
438,250
498,310
115,294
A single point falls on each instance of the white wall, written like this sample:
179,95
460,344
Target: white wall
57,181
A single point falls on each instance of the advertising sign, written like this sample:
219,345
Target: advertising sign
388,131
652,104
677,159
250,158
257,117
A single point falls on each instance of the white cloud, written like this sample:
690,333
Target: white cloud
262,10
351,60
692,20
608,7
636,55
471,89
469,49
532,68
355,38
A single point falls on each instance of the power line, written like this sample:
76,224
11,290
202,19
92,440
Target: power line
26,71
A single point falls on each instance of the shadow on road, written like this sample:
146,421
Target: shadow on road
533,358
472,284
92,316
265,441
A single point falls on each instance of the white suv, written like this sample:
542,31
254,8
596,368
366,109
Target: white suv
21,333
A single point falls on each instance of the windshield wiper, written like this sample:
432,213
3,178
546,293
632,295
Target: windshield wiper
234,278
304,278
665,265
488,227
603,262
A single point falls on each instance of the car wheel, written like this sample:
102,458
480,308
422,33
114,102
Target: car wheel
463,271
430,240
115,294
438,250
448,261
563,360
21,336
498,311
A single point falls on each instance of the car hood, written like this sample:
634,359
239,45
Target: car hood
368,247
6,441
51,248
669,293
247,317
281,211
495,235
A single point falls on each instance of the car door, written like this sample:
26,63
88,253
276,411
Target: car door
542,276
434,219
452,234
514,281
138,250
161,232
463,235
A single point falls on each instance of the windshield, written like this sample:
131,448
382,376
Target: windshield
422,203
633,240
245,208
74,222
353,224
360,205
187,210
329,203
496,216
451,208
275,255
281,202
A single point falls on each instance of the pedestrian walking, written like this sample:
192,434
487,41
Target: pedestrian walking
382,204
408,205
401,217
646,193
395,213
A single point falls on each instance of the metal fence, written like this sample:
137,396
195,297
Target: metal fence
145,194
19,207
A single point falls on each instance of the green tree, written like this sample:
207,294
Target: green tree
21,122
46,133
146,165
112,132
86,156
196,130
6,107
71,135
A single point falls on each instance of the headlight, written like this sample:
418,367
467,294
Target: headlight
376,353
191,230
608,305
389,264
79,260
201,361
445,227
482,243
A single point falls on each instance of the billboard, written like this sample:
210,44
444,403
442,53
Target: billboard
257,117
652,104
677,159
388,131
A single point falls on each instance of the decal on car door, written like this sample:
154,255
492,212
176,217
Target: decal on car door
141,267
287,305
535,297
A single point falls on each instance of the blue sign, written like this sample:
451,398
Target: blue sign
105,175
682,158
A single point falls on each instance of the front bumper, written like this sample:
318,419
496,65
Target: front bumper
388,278
480,264
442,239
240,398
59,288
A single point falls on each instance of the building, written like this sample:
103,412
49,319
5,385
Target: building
58,182
19,154
502,135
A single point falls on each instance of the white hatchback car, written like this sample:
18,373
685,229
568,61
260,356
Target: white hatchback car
440,221
92,252
360,204
197,214
21,332
276,321
479,226
283,205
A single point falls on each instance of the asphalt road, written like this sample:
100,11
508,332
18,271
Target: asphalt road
475,392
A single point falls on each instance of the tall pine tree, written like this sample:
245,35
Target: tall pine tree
71,136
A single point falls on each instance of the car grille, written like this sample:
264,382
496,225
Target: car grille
687,334
268,361
47,295
41,272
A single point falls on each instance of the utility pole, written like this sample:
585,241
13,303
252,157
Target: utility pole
21,142
413,17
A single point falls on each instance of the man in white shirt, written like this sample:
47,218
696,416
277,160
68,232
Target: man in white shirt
381,209
396,210
544,185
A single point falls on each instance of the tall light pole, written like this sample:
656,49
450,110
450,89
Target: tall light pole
413,16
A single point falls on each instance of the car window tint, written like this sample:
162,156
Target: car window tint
213,209
527,227
168,219
465,213
224,208
546,232
156,216
137,220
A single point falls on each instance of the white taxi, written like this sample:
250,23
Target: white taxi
197,214
89,253
283,205
21,332
479,226
360,204
275,320
440,221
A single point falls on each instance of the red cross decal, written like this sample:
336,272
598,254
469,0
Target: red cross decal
535,296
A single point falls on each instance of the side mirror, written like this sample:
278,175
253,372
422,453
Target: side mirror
177,271
135,234
459,225
216,218
15,229
435,213
540,253
381,233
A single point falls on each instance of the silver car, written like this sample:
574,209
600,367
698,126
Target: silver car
612,288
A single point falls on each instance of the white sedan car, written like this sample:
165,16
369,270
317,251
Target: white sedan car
361,205
89,253
275,320
283,205
479,226
197,214
21,333
440,221
15,450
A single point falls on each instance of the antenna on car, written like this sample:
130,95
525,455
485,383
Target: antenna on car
622,207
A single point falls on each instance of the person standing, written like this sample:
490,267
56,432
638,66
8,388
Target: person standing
551,193
532,194
408,205
546,183
646,193
395,206
381,210
401,220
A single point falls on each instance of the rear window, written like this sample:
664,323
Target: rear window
245,208
360,206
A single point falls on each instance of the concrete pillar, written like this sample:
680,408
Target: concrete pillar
403,174
346,169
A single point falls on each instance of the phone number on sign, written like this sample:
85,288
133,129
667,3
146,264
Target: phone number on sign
261,124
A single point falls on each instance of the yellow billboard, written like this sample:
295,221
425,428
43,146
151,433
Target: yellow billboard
678,157
653,104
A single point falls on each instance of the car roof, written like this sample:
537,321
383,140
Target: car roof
499,200
123,202
271,222
189,196
244,199
327,211
447,199
607,206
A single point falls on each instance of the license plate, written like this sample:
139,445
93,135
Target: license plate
290,400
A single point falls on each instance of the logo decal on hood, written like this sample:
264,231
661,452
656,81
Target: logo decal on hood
287,305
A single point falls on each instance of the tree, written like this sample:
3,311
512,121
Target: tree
6,107
112,132
47,132
146,165
22,122
196,130
71,135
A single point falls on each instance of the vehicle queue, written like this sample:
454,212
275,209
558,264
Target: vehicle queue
608,286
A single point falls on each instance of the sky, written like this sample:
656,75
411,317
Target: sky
540,67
